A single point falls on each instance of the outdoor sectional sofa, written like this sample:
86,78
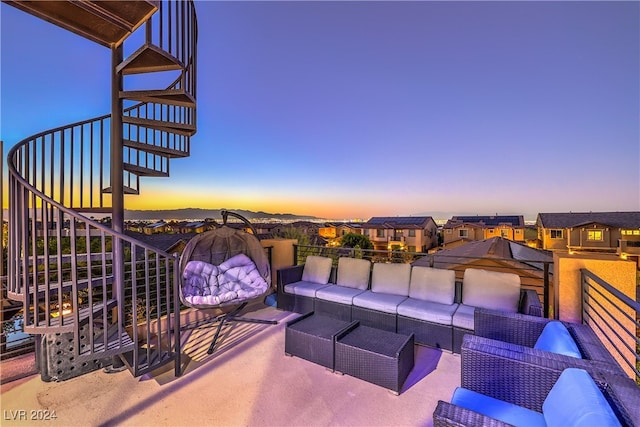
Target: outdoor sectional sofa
427,302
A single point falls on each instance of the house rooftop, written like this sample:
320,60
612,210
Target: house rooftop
494,247
247,381
487,221
575,219
164,241
397,222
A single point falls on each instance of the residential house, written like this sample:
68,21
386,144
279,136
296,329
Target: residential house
156,227
268,228
608,232
193,227
462,229
306,227
137,226
410,233
333,231
168,242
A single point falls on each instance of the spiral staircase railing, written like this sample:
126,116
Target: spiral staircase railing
62,262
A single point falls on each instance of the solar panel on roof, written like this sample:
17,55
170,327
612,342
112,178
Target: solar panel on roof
397,220
490,220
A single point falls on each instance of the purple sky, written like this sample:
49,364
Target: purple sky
360,109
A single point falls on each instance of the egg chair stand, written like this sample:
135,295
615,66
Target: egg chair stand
232,317
225,268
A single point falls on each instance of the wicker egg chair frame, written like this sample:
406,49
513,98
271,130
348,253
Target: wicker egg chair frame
215,247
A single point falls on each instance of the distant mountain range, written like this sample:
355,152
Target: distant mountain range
198,213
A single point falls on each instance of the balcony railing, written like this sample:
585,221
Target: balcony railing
630,247
614,317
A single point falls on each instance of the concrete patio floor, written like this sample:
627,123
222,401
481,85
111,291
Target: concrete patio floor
247,381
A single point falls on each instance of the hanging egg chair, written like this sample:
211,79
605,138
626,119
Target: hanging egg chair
225,269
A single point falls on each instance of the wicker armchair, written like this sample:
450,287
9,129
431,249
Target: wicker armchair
516,332
525,379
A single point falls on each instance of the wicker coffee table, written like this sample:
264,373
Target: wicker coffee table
379,357
311,337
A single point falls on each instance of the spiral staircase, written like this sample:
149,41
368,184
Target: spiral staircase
89,291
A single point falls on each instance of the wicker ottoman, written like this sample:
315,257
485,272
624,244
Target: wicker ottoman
311,337
379,357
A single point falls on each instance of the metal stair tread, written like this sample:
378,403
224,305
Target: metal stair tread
178,97
144,171
155,149
98,21
127,190
185,129
147,59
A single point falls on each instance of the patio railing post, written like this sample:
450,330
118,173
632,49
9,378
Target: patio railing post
546,291
584,292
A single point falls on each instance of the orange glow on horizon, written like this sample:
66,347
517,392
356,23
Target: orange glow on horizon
161,200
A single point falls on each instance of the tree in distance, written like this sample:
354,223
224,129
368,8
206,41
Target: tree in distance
353,240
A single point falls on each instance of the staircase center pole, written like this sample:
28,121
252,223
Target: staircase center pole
117,186
3,340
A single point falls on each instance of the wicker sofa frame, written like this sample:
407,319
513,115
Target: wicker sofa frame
293,302
525,379
426,333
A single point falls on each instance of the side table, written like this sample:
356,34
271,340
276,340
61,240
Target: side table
379,357
311,337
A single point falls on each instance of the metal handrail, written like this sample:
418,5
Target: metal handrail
610,312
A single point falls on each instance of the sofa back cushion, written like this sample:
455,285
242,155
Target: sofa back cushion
576,400
391,278
491,289
555,337
354,273
433,284
317,269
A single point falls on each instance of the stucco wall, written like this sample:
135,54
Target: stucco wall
281,254
618,273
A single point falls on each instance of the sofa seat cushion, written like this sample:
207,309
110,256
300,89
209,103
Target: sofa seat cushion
428,311
387,303
391,278
433,284
576,400
497,409
339,294
303,288
491,289
555,338
353,273
317,269
464,317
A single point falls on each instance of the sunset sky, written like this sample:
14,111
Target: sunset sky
349,110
